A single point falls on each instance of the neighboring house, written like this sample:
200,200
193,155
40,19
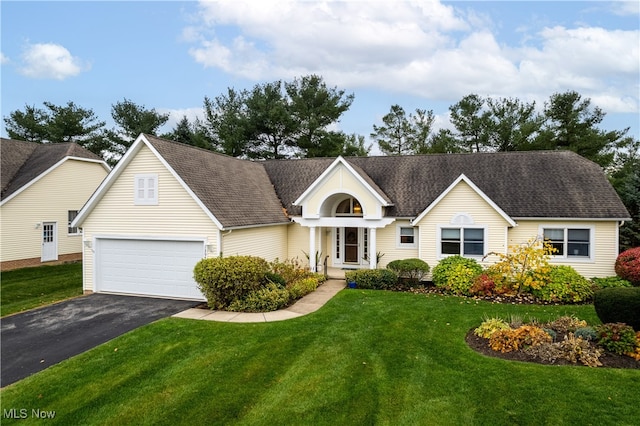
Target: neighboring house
166,205
43,188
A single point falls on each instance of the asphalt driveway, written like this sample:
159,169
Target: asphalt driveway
35,340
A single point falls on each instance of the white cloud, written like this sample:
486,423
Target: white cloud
175,115
626,8
3,59
50,61
415,47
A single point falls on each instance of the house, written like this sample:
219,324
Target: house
166,205
43,188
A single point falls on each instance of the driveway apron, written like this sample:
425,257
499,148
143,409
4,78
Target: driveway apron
37,339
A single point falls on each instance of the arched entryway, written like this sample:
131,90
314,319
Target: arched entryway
345,232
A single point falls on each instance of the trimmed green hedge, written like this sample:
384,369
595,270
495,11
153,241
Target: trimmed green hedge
411,271
374,279
224,280
618,305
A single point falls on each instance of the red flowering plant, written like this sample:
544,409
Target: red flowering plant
628,265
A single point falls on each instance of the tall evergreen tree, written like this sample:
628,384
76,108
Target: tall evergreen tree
571,124
60,123
133,119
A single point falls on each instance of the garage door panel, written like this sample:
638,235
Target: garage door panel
149,267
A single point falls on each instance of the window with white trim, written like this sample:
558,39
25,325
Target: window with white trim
462,241
569,242
349,207
406,236
72,230
146,189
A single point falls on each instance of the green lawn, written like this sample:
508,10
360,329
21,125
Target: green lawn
367,357
28,288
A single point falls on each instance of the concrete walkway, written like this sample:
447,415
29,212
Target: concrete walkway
309,303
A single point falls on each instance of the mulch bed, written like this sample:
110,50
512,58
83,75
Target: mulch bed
607,359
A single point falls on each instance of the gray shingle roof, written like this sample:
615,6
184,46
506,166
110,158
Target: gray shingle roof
237,192
553,184
22,161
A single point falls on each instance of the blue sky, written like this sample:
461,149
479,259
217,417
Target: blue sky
169,55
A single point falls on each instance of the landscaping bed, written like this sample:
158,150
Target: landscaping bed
608,359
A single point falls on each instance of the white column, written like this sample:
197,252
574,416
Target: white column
312,248
372,249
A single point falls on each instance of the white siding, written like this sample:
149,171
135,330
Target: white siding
176,214
65,188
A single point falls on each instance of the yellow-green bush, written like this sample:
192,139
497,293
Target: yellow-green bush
224,280
302,287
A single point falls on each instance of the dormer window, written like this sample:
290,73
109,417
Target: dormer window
349,207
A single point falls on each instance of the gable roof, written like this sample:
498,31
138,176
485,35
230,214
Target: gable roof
237,192
357,172
22,162
234,193
531,184
443,195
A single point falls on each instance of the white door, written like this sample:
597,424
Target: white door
49,241
162,268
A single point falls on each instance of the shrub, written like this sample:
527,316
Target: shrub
572,349
483,285
566,324
609,282
290,269
224,280
618,305
524,268
628,265
456,274
375,279
274,278
551,332
522,337
617,337
267,299
565,285
490,326
576,349
586,333
636,353
411,270
302,287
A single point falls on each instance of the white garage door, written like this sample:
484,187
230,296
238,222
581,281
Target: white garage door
148,267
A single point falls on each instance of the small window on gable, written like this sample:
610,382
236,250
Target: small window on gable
406,236
71,215
349,207
146,189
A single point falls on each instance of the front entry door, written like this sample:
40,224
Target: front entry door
49,241
351,246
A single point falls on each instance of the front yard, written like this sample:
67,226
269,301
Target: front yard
29,288
367,357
